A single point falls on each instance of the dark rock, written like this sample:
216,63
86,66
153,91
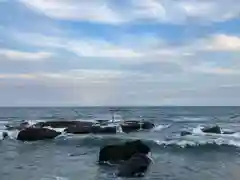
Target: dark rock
34,134
78,129
91,129
130,126
136,166
185,133
122,152
147,125
63,124
214,129
5,135
104,129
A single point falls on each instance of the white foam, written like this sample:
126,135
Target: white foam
160,127
185,142
198,130
186,118
61,130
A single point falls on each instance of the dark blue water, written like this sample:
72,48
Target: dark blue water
198,156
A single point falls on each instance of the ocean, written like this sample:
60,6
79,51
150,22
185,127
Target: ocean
73,157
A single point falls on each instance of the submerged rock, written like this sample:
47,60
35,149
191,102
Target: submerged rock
214,129
185,133
136,166
4,135
34,134
130,126
122,152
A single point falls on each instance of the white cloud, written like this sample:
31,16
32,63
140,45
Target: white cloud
105,11
222,42
83,47
24,56
210,68
91,10
76,75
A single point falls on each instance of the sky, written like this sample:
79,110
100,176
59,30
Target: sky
119,52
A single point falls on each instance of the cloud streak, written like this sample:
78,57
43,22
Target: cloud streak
16,55
181,11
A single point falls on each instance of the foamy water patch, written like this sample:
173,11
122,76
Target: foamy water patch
190,119
197,143
160,127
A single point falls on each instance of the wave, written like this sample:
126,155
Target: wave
156,145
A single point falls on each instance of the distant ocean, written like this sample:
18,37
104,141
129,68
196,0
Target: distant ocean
198,156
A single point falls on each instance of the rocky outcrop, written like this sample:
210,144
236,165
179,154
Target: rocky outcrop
34,134
122,152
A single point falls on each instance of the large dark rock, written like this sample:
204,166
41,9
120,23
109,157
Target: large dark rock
34,134
214,129
63,124
130,126
122,152
136,166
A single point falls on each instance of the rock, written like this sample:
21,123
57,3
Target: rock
136,166
214,129
91,129
104,129
122,152
147,125
34,134
185,133
63,124
130,126
4,135
78,129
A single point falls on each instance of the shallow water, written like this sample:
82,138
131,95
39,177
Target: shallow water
198,156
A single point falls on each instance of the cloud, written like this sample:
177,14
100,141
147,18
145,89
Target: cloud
91,10
210,68
222,42
82,47
16,55
105,11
